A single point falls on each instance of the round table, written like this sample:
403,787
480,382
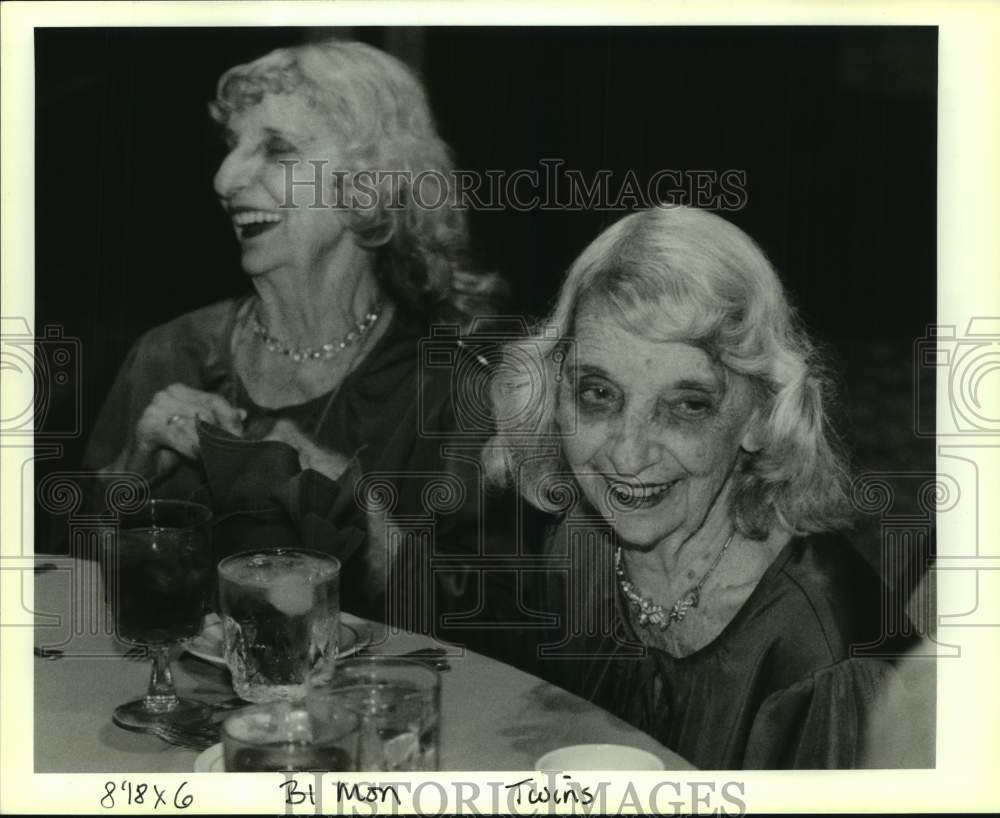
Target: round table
494,716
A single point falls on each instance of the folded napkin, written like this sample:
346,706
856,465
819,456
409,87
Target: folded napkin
264,499
243,472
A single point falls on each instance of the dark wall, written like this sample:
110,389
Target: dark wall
834,127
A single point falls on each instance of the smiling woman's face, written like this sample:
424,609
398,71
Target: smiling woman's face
251,183
659,429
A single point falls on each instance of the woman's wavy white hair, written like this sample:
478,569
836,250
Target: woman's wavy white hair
379,113
681,274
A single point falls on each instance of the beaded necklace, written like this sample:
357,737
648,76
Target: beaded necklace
651,613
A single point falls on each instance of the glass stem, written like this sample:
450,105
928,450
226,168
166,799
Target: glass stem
161,696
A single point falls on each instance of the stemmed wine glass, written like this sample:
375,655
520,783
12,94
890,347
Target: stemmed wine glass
157,577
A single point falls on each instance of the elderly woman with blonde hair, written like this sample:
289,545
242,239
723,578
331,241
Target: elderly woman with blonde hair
271,406
673,416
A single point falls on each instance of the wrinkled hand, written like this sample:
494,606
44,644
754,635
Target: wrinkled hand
311,456
166,431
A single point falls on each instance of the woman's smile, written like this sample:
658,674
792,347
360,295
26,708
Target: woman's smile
250,223
638,496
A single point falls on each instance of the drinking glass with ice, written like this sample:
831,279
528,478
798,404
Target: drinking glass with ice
290,736
280,615
399,704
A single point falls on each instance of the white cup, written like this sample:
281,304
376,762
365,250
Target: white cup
599,757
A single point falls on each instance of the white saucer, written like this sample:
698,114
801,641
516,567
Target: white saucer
210,760
599,757
207,645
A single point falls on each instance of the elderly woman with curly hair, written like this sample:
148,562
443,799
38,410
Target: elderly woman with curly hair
674,414
272,406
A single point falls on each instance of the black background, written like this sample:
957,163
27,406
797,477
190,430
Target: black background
834,127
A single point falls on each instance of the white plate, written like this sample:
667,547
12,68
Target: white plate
598,757
210,760
207,645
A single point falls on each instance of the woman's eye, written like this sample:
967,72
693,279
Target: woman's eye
278,147
596,396
692,408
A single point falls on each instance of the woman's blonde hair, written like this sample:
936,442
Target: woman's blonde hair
379,113
682,274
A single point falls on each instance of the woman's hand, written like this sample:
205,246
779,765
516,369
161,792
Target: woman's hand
311,456
166,433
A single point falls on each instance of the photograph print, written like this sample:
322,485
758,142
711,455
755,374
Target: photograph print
551,384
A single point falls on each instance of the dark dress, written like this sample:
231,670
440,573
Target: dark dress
390,414
778,688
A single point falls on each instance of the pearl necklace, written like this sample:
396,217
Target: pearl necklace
326,351
651,613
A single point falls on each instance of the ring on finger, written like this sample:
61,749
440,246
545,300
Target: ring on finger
174,419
